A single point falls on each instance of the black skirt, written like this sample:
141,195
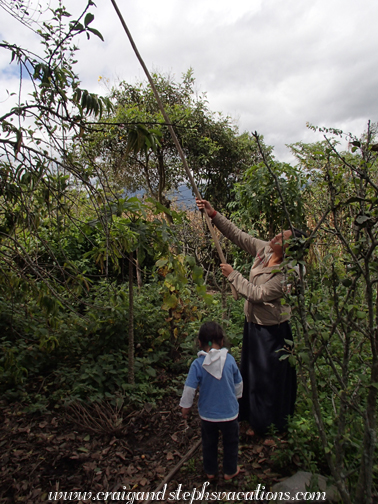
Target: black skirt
269,385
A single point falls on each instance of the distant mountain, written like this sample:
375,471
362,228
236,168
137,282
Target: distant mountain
184,197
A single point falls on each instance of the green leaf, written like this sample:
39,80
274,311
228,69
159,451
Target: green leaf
77,27
96,32
362,218
209,300
198,275
170,301
88,19
151,372
191,261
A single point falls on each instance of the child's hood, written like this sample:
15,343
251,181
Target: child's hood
214,361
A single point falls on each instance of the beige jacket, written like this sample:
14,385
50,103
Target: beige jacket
264,289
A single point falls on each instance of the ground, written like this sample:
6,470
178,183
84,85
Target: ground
102,449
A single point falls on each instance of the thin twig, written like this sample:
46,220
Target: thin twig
175,469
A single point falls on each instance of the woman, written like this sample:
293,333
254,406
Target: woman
270,384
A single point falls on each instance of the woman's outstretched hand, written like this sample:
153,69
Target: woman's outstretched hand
226,269
205,205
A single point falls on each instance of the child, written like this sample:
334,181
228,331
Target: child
220,383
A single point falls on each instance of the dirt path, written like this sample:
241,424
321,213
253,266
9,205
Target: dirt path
77,452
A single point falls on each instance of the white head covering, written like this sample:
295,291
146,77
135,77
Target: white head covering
214,361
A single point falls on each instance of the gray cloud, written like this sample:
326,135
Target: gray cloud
272,65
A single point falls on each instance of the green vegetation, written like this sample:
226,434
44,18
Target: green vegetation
101,294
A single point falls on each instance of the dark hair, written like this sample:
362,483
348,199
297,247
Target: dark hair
296,243
210,332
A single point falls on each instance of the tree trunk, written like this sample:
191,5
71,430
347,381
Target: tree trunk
364,487
139,273
131,377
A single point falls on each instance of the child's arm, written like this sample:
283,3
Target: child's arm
238,382
239,390
191,384
186,401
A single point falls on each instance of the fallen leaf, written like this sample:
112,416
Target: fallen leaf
258,449
36,492
24,429
17,453
263,476
90,466
131,470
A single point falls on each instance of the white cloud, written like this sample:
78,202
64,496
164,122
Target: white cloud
272,65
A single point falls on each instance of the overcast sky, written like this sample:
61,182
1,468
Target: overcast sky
271,65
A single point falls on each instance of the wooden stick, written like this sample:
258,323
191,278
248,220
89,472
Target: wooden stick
175,469
175,139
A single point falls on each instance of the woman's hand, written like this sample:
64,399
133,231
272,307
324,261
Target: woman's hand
226,269
205,205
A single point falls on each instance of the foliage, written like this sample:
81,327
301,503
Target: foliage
67,231
302,445
89,358
336,312
62,228
41,186
257,203
216,153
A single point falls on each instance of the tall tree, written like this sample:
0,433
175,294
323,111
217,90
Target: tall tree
217,154
336,309
37,173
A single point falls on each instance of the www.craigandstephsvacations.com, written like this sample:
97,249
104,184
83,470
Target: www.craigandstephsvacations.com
129,497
